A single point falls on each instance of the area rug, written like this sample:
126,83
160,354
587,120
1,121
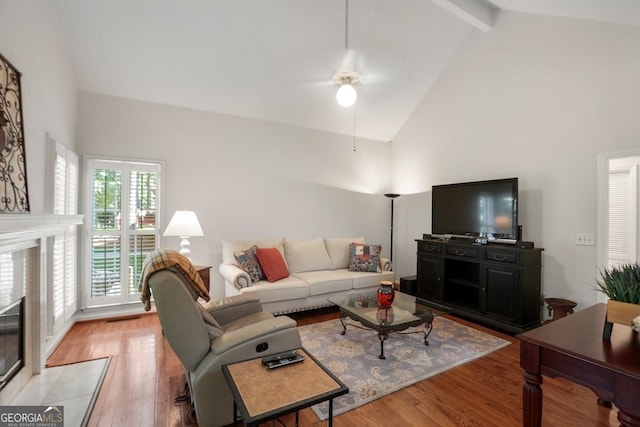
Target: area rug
353,357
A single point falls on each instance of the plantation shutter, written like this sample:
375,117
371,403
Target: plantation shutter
622,215
63,270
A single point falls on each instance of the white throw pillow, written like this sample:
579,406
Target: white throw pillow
306,255
338,249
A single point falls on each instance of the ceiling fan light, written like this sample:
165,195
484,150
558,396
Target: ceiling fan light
346,95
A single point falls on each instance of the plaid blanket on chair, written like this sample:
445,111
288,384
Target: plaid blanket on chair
162,259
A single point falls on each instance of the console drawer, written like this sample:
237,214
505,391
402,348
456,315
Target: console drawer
508,257
429,248
470,252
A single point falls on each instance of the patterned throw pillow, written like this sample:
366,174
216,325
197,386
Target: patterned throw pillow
247,261
364,257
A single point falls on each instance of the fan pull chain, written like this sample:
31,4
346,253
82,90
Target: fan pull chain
354,129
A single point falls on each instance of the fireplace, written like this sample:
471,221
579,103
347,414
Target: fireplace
11,340
26,298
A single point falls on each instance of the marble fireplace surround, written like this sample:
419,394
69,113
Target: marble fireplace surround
31,234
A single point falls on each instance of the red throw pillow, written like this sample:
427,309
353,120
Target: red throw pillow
272,264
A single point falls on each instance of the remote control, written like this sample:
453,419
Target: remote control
282,359
279,356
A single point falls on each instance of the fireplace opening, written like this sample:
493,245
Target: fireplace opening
11,340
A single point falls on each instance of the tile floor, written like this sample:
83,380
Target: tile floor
71,386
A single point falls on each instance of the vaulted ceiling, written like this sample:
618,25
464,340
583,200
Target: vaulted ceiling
273,59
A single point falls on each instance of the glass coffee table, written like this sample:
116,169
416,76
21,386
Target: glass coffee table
406,311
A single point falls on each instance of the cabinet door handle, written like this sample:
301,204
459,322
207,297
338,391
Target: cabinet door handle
460,253
499,258
430,249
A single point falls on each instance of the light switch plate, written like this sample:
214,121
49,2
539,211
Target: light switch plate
585,239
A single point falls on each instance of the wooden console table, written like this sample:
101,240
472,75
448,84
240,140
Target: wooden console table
573,348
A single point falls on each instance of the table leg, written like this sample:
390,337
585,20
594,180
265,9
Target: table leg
429,327
297,418
344,324
532,400
330,413
235,413
382,337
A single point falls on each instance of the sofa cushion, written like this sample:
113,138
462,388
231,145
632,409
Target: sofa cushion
231,246
362,280
306,255
338,249
272,264
290,288
326,281
364,257
248,261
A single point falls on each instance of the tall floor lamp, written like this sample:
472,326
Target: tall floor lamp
391,196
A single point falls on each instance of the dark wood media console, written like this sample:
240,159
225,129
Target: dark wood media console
494,284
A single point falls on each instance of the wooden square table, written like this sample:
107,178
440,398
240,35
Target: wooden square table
573,348
262,394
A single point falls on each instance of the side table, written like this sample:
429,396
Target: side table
205,273
262,394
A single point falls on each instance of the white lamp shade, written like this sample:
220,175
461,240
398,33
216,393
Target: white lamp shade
184,224
346,95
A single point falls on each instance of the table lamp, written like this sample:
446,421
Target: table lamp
184,224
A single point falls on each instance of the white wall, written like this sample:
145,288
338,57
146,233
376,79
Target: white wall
246,178
31,40
538,98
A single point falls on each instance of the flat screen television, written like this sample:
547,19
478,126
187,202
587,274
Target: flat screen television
482,208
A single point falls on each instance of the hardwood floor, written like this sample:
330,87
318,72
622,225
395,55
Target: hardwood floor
145,376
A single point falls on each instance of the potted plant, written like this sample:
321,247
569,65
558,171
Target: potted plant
622,285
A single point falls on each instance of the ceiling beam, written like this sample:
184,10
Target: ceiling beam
475,12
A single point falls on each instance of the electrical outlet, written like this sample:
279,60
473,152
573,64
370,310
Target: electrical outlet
585,239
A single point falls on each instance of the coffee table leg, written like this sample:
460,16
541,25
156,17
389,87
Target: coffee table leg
382,337
429,327
330,412
344,324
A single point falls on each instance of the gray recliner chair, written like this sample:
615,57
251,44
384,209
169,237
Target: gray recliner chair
206,337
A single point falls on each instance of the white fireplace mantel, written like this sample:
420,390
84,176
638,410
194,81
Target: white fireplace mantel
31,233
28,226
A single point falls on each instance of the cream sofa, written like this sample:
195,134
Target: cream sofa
318,269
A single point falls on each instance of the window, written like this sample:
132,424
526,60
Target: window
122,204
62,200
623,214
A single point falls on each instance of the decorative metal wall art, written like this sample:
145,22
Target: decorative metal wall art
14,197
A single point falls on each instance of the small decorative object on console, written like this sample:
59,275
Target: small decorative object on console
386,294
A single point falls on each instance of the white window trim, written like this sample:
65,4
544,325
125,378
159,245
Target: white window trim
88,161
603,162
